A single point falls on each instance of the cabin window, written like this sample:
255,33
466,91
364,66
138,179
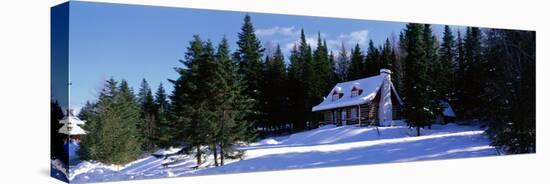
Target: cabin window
355,91
336,96
353,113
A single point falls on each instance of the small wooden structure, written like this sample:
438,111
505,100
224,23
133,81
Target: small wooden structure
367,101
71,127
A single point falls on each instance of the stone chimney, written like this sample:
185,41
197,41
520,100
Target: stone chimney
385,105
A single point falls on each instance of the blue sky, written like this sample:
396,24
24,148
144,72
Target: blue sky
135,42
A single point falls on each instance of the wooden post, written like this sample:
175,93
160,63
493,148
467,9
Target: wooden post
359,114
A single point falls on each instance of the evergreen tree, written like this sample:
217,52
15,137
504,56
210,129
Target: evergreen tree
474,74
356,66
333,71
509,92
164,128
444,81
387,55
372,60
323,68
148,116
296,89
232,126
249,55
113,137
275,89
342,64
186,105
417,103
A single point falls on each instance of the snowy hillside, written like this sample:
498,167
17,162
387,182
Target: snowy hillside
325,146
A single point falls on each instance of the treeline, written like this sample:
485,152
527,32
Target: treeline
487,75
223,98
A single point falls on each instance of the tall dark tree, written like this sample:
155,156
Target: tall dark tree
372,60
508,95
113,137
276,89
356,66
418,110
249,56
164,129
296,89
232,125
342,64
187,105
148,116
474,74
445,81
323,67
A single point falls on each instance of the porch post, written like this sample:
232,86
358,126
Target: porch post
359,114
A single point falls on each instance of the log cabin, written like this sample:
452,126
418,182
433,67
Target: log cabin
368,101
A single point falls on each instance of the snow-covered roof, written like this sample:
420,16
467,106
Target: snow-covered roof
447,109
71,125
370,87
71,129
71,119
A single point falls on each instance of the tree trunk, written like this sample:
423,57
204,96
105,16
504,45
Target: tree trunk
215,149
417,130
199,155
221,155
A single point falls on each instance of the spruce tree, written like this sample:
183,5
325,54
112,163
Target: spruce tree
187,110
164,128
249,56
417,110
113,137
372,60
356,66
148,116
232,126
343,64
296,89
275,91
508,98
445,80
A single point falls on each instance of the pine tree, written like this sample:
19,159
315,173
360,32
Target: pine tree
232,126
148,116
249,56
445,80
356,66
508,98
296,89
474,73
186,105
113,137
275,89
342,64
372,60
164,129
417,103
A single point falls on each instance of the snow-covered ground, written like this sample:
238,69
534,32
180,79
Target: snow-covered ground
325,146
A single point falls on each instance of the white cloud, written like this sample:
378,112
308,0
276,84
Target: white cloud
285,31
287,37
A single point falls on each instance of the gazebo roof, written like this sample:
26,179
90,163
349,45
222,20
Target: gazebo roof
71,119
71,129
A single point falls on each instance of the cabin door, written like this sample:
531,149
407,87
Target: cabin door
344,118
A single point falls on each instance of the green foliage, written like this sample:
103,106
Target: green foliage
418,106
148,116
113,137
509,91
356,67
